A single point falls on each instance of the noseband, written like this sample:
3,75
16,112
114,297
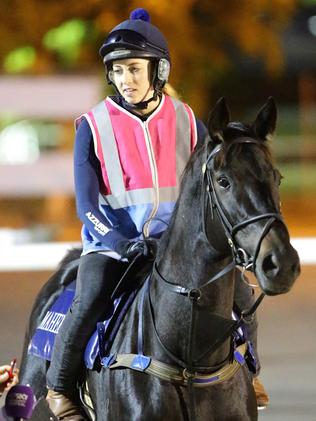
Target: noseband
241,257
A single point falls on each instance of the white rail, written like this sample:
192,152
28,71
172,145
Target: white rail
33,256
46,256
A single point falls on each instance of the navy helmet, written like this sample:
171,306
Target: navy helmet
137,37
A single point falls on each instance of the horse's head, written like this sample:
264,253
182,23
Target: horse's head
244,190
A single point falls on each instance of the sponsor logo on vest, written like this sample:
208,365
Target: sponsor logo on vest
98,225
52,322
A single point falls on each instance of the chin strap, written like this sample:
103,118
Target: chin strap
142,105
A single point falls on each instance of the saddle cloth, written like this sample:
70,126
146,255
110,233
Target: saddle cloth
42,342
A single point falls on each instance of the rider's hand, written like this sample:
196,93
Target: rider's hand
131,249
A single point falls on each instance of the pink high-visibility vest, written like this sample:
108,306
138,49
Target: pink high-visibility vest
142,161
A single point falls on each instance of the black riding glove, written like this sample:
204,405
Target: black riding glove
130,249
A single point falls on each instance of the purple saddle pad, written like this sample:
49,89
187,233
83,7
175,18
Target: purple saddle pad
42,342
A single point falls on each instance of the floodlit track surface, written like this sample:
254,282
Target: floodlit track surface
287,339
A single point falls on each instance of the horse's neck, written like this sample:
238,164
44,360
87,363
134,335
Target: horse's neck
186,258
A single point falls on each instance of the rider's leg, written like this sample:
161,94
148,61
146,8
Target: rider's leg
96,280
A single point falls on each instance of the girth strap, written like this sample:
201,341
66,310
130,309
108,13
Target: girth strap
176,374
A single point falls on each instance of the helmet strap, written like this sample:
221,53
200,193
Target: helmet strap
142,105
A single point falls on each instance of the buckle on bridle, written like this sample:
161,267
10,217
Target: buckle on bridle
247,319
195,294
230,243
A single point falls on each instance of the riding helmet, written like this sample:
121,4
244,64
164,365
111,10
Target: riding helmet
137,37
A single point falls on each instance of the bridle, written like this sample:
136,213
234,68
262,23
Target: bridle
241,257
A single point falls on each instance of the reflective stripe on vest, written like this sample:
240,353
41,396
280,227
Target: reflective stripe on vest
109,148
100,123
183,129
139,197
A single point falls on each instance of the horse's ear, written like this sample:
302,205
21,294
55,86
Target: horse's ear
218,119
265,122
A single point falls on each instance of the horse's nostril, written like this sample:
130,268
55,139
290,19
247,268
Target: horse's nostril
268,264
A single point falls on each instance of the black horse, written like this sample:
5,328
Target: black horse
227,214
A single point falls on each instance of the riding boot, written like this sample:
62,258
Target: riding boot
261,394
63,407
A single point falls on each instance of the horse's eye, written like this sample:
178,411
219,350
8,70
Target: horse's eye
223,182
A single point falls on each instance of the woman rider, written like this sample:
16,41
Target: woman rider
130,151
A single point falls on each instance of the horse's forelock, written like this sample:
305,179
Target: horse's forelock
236,129
233,148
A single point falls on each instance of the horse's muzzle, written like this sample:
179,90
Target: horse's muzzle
277,269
